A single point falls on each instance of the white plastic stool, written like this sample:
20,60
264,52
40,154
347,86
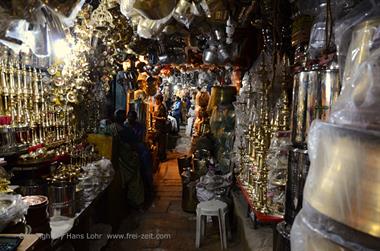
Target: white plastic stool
211,208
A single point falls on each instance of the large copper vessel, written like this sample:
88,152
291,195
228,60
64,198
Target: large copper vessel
222,95
344,176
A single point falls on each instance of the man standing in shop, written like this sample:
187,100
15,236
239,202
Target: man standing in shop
160,117
177,108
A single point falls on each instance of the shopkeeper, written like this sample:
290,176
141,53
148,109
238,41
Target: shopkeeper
160,117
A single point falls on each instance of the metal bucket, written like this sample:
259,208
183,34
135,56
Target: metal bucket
298,168
183,162
305,103
189,197
329,91
62,199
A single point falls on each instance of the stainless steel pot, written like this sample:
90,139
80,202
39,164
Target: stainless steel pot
62,198
329,91
210,56
305,104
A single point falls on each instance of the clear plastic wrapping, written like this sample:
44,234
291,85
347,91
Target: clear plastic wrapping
312,231
97,176
277,164
12,208
344,179
359,102
210,186
367,9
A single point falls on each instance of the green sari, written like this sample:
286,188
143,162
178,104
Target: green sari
128,168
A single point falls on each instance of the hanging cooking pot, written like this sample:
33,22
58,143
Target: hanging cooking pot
210,55
223,53
154,9
182,12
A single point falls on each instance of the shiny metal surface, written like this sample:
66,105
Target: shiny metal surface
329,91
305,103
344,177
35,200
62,198
298,168
221,95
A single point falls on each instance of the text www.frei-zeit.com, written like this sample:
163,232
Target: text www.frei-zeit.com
124,236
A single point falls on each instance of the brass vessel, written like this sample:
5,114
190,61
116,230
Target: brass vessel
221,95
362,40
344,176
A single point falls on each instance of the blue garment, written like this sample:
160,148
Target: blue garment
138,129
177,108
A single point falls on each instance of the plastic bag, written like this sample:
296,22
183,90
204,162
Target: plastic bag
12,208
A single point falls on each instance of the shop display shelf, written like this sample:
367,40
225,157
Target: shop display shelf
258,216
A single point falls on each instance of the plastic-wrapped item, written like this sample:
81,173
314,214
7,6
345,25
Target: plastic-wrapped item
344,178
317,42
311,7
312,231
97,176
209,185
358,104
367,9
12,208
277,164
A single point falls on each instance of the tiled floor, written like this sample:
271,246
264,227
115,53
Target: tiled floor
165,226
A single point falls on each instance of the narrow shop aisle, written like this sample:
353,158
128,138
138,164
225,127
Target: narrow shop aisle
165,226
